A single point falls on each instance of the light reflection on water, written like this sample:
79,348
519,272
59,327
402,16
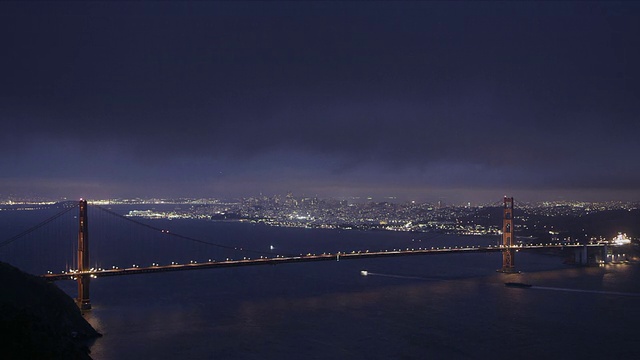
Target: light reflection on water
587,291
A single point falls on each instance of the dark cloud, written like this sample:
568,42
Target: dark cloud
418,97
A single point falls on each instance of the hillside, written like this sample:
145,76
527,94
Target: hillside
38,320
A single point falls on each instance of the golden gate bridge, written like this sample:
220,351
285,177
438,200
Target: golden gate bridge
81,270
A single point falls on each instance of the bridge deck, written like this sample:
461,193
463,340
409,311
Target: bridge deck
300,258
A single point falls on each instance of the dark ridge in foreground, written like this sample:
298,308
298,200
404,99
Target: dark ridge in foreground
38,320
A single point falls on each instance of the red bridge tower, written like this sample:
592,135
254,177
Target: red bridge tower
83,257
508,237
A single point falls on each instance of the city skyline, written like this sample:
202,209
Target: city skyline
458,101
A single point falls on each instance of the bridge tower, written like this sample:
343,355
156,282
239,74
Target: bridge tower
83,257
508,237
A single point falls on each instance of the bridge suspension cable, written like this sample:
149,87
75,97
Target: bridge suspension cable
183,237
36,227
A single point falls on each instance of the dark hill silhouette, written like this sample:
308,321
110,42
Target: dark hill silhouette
38,320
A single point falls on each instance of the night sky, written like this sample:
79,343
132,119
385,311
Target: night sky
450,101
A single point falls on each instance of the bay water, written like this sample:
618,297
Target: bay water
414,307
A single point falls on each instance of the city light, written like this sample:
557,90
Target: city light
621,239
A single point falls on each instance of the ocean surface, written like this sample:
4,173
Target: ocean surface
416,307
